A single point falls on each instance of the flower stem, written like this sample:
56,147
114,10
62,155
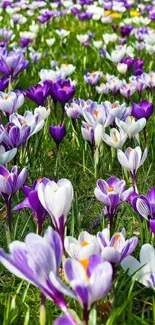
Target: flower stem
86,316
9,214
135,182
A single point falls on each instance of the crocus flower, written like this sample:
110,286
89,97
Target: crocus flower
38,94
126,30
93,78
114,250
116,138
83,247
58,132
73,110
14,135
112,193
32,202
12,63
142,271
131,127
143,109
10,102
43,112
61,90
116,110
132,159
82,279
145,206
88,132
10,183
6,155
57,198
62,33
37,260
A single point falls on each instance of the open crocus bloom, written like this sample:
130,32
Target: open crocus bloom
83,248
90,280
37,260
131,127
116,138
112,193
132,159
117,248
143,271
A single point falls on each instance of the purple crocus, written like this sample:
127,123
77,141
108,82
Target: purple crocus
32,202
61,90
143,109
82,276
145,206
10,183
14,135
58,132
126,30
114,250
93,78
24,42
38,94
112,193
11,63
37,260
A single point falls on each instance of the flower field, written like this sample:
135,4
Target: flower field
77,162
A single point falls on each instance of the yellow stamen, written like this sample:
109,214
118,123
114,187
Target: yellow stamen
6,97
110,189
115,105
115,137
84,243
23,122
64,88
116,240
85,263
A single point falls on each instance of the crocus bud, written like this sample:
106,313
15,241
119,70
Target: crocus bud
58,132
122,68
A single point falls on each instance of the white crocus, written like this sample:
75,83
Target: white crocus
110,38
116,139
132,159
49,74
116,55
97,44
43,112
130,126
98,134
142,271
34,28
62,33
66,70
82,38
56,198
50,41
29,35
83,248
122,68
6,156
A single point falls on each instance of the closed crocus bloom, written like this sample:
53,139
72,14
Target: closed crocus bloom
10,102
43,112
83,247
90,280
132,159
143,109
62,32
6,155
112,193
143,270
122,68
57,198
98,134
116,138
58,132
145,206
130,126
88,132
117,248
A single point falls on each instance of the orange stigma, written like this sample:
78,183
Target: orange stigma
64,88
117,237
84,243
96,112
110,189
85,263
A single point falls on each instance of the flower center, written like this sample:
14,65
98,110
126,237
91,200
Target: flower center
64,88
110,189
87,126
85,263
115,105
6,97
23,122
115,137
84,243
116,241
96,112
